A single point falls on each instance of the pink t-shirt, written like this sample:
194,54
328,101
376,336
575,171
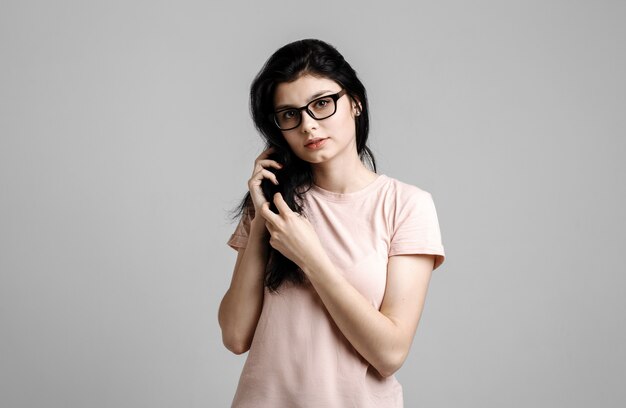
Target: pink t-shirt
298,356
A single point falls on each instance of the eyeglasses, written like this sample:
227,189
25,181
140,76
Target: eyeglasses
320,108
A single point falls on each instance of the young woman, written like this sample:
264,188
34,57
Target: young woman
334,259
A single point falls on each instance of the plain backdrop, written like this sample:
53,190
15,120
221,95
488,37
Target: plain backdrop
125,138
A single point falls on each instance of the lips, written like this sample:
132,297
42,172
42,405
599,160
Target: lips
317,139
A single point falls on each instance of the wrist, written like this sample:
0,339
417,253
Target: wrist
316,264
257,226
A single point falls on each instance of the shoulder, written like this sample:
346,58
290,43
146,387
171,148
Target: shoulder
402,192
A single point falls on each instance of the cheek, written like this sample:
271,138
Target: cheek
337,124
345,123
292,140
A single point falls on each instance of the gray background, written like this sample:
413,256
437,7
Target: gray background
125,137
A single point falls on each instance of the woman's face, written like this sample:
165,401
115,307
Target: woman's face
339,129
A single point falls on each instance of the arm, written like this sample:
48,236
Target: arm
241,306
382,337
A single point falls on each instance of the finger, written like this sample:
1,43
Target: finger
268,214
281,205
268,163
264,173
267,152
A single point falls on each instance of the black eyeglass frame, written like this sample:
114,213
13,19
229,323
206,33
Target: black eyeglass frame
334,97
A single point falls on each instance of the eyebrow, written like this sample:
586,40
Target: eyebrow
317,95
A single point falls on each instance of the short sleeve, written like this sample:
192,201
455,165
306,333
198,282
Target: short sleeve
416,228
239,237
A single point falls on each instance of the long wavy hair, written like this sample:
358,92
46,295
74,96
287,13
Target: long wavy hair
288,63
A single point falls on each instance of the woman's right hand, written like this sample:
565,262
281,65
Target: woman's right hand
259,173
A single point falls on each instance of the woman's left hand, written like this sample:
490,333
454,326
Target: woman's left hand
291,234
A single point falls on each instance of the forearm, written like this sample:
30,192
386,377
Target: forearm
371,333
241,306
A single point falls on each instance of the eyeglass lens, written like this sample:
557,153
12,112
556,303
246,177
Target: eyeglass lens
320,108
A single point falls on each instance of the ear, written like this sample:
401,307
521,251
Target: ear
356,106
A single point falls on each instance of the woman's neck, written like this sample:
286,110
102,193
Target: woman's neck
343,179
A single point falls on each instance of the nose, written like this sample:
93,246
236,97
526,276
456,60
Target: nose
307,122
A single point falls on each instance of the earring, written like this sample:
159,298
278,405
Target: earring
358,112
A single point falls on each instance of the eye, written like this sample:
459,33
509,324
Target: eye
322,103
288,114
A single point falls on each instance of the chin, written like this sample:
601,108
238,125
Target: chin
318,158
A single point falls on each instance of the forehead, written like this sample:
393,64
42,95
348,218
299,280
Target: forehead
301,91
